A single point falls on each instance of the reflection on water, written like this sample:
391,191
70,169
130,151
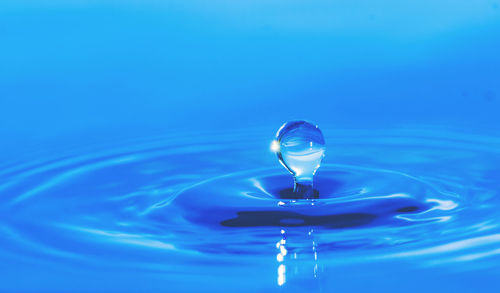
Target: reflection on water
280,257
302,258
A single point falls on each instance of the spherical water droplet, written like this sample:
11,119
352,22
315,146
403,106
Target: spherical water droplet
300,147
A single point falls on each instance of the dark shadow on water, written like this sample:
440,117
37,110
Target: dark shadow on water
282,186
409,209
292,219
288,193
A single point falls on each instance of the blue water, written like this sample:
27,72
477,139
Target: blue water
135,146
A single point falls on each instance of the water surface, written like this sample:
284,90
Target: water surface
411,209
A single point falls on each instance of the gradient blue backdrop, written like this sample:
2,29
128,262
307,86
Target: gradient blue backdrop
74,67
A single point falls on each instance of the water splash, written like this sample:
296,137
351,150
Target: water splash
300,147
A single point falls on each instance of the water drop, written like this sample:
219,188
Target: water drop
300,147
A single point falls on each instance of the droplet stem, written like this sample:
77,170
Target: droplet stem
303,188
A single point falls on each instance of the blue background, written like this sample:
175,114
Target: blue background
83,66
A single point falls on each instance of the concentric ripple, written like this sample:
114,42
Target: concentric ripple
213,202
